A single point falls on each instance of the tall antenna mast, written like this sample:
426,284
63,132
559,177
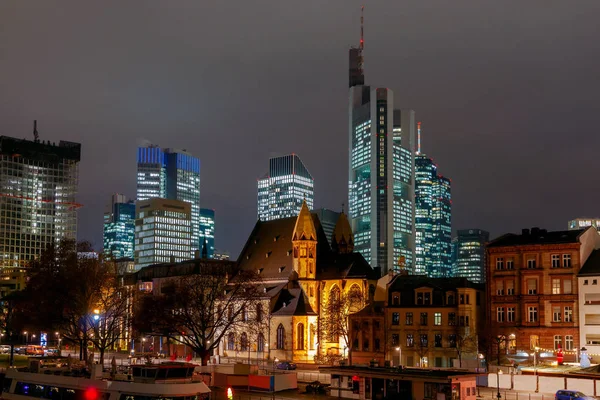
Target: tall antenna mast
418,137
362,32
36,136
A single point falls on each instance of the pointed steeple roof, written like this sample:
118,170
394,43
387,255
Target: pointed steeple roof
305,227
342,239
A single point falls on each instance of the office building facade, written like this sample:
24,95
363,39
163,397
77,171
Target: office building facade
282,191
163,231
582,223
38,185
329,219
119,227
207,232
468,254
171,174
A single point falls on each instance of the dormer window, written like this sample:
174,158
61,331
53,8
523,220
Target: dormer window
289,253
419,298
268,254
281,269
258,271
395,299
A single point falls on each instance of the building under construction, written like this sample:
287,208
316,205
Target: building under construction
38,185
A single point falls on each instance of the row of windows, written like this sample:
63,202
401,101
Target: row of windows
423,340
462,320
509,263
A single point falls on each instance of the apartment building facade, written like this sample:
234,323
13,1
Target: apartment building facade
532,289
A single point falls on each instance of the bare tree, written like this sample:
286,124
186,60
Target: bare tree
198,310
422,345
465,343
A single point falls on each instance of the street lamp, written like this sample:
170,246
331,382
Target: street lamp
537,377
399,350
26,337
498,373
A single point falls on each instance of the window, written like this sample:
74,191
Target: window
420,298
510,314
510,264
569,342
566,261
410,340
461,320
462,299
500,314
396,318
423,320
427,298
531,286
450,300
500,288
395,339
555,260
300,336
568,314
438,340
231,341
555,286
510,288
424,340
500,263
409,318
260,345
531,263
259,313
244,342
585,282
437,318
395,299
468,300
532,314
280,337
452,340
467,320
567,286
244,314
377,345
556,314
557,342
451,319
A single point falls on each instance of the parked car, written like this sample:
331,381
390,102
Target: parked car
51,351
571,395
4,349
285,365
33,350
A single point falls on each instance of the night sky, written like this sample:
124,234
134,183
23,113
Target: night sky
508,93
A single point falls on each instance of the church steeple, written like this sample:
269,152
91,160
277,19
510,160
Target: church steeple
342,240
304,241
305,227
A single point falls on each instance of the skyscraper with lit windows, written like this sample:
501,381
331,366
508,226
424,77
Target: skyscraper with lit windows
119,227
171,174
282,191
163,232
207,232
469,255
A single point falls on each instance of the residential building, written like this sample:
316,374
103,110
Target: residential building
119,227
283,189
424,322
171,174
38,185
433,217
532,288
207,232
469,256
381,189
303,279
163,232
588,285
582,223
329,219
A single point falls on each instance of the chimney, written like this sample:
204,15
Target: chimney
525,232
535,231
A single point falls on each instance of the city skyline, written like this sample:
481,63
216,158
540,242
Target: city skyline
490,103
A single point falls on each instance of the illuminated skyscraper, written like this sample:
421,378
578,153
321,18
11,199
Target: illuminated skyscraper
163,231
282,190
433,212
119,227
171,174
207,232
469,256
328,219
38,185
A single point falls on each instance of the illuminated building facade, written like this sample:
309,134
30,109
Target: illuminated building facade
582,223
468,254
329,219
207,232
119,227
433,217
38,185
282,190
163,231
171,174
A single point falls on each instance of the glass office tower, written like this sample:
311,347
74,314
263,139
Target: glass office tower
207,232
468,253
381,178
119,227
38,185
282,191
441,216
171,174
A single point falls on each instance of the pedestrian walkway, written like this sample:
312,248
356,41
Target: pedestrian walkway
488,393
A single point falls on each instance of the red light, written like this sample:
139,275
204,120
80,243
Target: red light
91,394
355,378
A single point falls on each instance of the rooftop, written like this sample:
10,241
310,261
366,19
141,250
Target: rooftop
592,265
537,236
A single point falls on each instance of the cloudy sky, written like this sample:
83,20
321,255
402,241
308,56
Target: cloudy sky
508,93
